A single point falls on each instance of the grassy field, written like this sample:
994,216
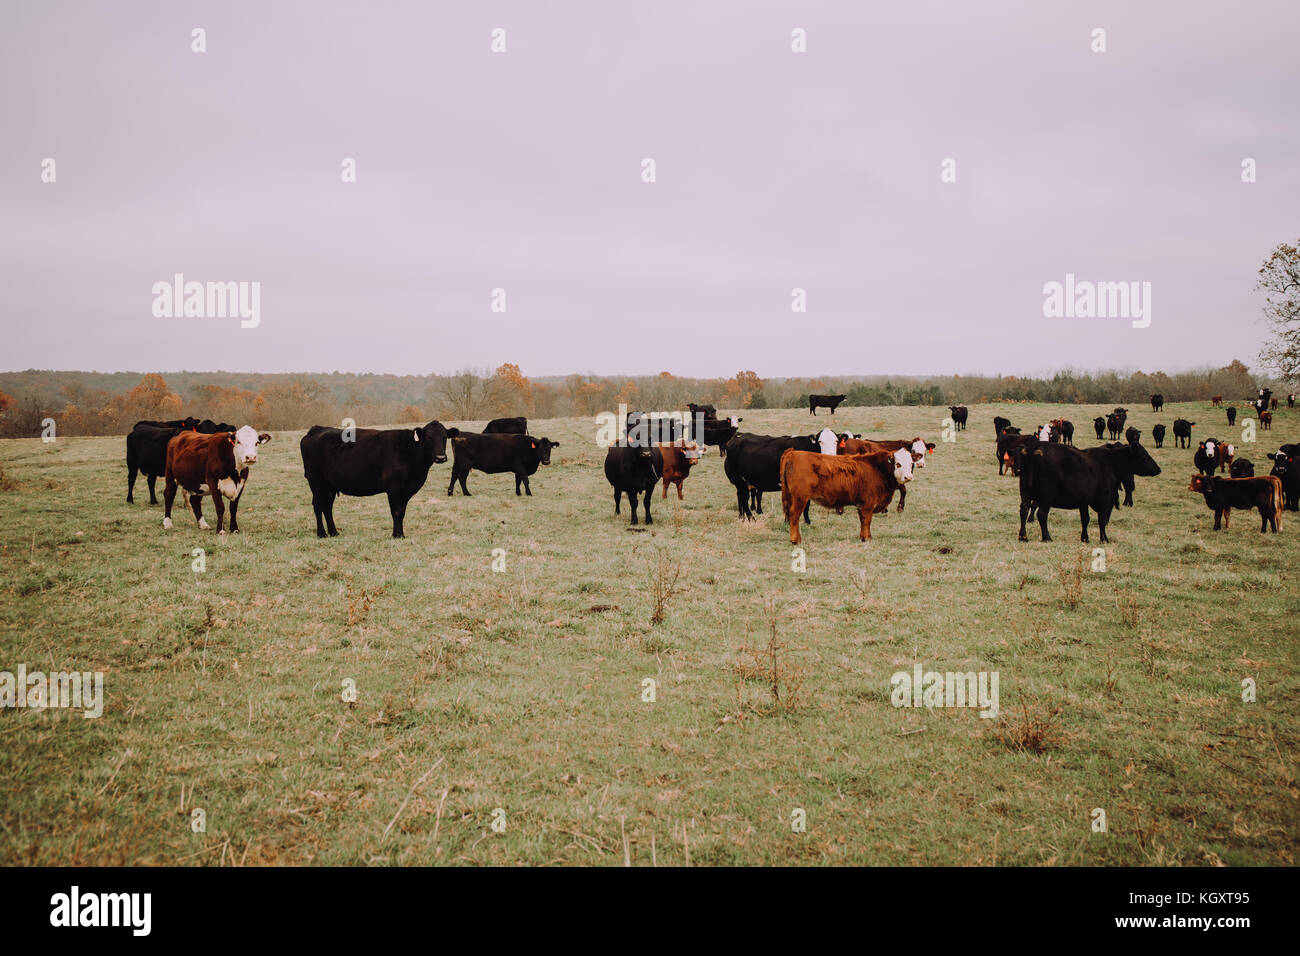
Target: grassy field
523,690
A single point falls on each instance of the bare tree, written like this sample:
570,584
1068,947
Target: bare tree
465,396
1280,277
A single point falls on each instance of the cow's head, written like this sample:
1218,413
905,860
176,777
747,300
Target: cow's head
1281,462
541,447
1201,483
920,449
433,439
1141,461
902,462
245,442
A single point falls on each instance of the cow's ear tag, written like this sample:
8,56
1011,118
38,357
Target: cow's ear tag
534,444
841,442
416,433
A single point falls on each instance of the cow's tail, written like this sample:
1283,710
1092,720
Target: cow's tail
787,461
1279,502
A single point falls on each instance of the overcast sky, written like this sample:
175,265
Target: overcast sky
523,171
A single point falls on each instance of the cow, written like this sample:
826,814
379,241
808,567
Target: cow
189,424
1243,468
1286,468
1262,402
1227,454
1207,456
1000,424
216,464
1232,415
678,459
1054,476
708,411
917,447
146,453
1115,424
1223,494
496,454
719,433
1273,404
1099,425
959,415
1216,400
1008,445
828,441
506,426
634,470
1266,421
753,464
824,401
1158,434
209,427
1062,430
1157,402
1290,400
644,430
1183,433
866,482
368,461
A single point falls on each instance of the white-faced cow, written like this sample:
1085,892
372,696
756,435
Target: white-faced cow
213,464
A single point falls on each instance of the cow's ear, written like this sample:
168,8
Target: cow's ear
263,437
555,444
453,432
929,446
231,437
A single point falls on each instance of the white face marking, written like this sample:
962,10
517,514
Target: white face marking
245,447
918,448
827,440
903,465
1209,448
1231,450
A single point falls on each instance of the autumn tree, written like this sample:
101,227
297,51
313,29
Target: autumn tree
1279,277
512,393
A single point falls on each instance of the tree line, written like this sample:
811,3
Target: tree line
91,403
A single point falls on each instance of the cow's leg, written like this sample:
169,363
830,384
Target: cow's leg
329,513
902,497
169,496
792,518
217,504
649,496
397,506
632,503
1024,515
130,483
234,511
528,488
153,498
758,499
1083,523
618,500
318,509
742,504
864,517
1042,519
1128,493
680,497
1103,519
1227,518
806,508
665,495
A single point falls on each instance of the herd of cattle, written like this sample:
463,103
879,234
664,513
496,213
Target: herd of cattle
836,470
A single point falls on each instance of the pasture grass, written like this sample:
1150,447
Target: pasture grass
523,690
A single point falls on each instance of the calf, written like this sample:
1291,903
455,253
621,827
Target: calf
1232,415
633,470
216,464
917,447
1099,425
1206,458
753,466
1183,433
678,459
1000,424
1115,424
866,482
1273,404
506,426
824,401
1244,468
1286,468
1157,402
1062,430
146,453
959,416
367,461
1223,494
1054,476
1266,421
496,454
1158,433
1216,400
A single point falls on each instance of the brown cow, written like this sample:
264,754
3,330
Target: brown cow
678,458
1224,494
213,464
1266,420
1217,400
866,446
866,482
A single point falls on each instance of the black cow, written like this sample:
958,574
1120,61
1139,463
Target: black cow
708,411
495,454
507,426
1209,456
369,461
1008,443
718,433
1056,476
1000,424
632,470
959,415
1115,425
146,453
645,430
209,427
1286,468
824,401
185,424
753,466
1262,402
1232,415
1099,423
1065,429
1132,436
1183,433
1158,433
1242,468
1157,402
1223,494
